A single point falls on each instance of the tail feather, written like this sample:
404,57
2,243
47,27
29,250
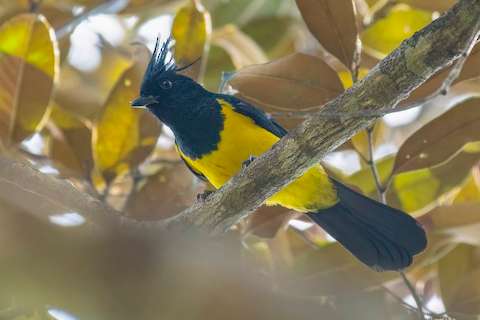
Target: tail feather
382,237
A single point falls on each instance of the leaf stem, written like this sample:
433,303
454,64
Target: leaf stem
416,297
382,198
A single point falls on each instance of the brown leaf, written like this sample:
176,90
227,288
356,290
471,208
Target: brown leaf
333,23
454,266
466,299
432,5
70,148
413,190
441,138
28,69
164,194
298,82
266,221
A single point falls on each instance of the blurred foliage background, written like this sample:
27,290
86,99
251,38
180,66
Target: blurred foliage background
68,70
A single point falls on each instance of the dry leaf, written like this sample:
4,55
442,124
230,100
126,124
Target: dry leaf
164,194
333,23
28,69
431,5
298,82
441,138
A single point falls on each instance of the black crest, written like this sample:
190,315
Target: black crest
160,61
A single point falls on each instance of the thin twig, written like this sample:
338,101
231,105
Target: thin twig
415,296
378,13
34,5
381,190
382,197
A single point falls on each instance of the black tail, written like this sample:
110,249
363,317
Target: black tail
382,237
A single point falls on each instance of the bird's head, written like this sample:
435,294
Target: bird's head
163,88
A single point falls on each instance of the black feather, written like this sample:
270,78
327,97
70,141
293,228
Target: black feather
382,237
160,62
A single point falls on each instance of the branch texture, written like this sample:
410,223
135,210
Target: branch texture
392,80
438,45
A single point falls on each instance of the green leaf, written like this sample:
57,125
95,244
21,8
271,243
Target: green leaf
28,70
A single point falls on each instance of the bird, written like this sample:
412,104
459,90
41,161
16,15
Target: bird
217,134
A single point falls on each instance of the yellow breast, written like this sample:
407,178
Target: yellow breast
242,138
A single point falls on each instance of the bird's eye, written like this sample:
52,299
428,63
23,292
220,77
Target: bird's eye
166,84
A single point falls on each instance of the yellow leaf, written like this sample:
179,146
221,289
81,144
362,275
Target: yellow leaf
119,131
386,34
455,265
431,5
413,190
64,119
363,179
470,191
360,140
191,30
28,70
346,77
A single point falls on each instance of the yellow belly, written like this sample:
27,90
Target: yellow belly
242,138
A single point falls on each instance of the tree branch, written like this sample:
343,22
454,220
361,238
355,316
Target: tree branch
388,83
20,181
392,80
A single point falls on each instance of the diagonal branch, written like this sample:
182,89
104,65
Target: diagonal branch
392,80
388,83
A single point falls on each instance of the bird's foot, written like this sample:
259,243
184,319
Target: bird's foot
204,195
247,162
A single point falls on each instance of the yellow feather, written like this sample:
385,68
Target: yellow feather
242,138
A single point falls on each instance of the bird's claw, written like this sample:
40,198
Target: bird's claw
247,162
204,195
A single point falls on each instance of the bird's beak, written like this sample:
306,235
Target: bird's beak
143,102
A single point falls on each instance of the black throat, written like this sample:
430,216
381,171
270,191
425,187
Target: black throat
196,125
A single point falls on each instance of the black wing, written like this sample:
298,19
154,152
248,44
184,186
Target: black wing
257,115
